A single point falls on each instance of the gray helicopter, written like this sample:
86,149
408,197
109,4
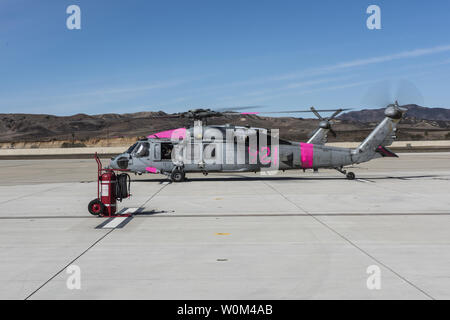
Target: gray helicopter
226,148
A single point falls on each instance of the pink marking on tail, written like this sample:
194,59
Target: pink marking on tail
307,155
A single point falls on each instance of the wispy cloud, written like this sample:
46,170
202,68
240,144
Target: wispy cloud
297,85
266,97
363,62
90,97
345,85
402,55
314,82
316,72
131,89
276,92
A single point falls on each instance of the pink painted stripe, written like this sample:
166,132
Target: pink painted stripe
152,169
307,154
170,134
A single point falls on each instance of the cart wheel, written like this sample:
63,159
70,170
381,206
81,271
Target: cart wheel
96,207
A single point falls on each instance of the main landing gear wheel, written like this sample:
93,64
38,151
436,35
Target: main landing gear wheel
96,207
177,176
350,176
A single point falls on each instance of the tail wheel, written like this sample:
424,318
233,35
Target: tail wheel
350,176
177,176
96,207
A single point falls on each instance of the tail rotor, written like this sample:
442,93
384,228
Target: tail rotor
403,92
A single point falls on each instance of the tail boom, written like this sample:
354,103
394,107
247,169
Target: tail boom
383,135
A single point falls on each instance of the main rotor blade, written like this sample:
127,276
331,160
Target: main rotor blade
295,111
168,116
236,108
333,133
317,114
335,114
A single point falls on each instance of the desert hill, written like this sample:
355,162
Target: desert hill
37,130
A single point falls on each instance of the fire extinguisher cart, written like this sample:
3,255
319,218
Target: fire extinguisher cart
111,187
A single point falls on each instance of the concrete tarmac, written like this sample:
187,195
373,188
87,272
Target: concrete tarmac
230,236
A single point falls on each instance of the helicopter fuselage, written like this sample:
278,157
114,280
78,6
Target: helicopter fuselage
226,149
238,149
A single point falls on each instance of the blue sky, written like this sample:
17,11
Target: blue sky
138,55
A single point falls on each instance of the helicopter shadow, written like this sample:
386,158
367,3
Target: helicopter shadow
152,212
279,178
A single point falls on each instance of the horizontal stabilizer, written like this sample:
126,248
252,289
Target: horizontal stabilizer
385,152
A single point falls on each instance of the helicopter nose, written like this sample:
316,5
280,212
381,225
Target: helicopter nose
119,162
113,163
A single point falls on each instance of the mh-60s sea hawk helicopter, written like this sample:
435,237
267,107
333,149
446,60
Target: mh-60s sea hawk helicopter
226,148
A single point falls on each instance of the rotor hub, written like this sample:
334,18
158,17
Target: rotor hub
324,124
393,112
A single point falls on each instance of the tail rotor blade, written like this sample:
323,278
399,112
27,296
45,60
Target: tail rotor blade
386,92
408,93
378,95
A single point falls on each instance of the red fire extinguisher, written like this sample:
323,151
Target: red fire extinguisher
108,192
111,187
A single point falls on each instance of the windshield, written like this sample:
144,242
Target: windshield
142,150
130,149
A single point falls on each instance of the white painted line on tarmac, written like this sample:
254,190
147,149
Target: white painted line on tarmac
114,223
118,222
130,211
365,180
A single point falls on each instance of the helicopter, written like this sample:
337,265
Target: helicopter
228,148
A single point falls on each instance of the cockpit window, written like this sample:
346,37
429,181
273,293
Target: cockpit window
130,149
142,150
